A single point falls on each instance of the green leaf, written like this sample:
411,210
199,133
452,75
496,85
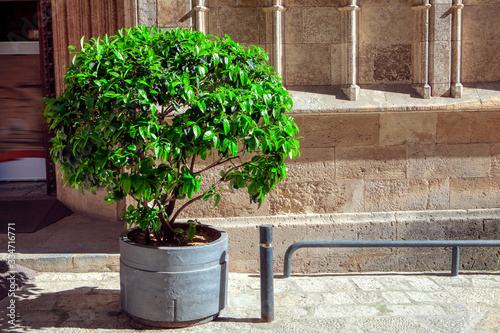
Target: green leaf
240,182
216,199
196,131
127,184
143,130
207,196
227,126
191,231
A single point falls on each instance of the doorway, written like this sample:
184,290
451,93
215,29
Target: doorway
22,153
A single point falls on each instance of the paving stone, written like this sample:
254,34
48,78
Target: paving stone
338,298
74,303
345,311
415,310
367,284
368,297
423,283
392,325
430,297
451,281
396,297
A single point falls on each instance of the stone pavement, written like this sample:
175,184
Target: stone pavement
89,302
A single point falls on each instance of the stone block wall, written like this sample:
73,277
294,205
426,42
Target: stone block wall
386,164
385,42
312,35
481,41
383,162
396,41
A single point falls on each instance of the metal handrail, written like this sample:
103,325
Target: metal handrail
454,244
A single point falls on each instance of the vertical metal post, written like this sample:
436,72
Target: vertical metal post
266,273
455,261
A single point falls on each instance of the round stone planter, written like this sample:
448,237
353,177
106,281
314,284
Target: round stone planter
173,286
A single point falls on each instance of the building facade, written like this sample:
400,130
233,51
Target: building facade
398,104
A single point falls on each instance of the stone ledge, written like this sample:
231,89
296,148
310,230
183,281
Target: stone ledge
331,99
70,262
408,225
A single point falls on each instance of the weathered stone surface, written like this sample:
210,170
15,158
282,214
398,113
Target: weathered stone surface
474,193
173,13
307,64
443,161
440,71
321,25
371,162
147,12
480,62
407,128
479,21
313,164
340,130
453,127
336,64
239,3
397,195
244,25
441,20
495,160
231,204
294,27
317,197
385,63
311,3
485,127
488,93
381,23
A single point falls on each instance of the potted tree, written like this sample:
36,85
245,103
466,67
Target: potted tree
167,119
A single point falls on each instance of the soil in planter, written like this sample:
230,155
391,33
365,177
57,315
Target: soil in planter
203,236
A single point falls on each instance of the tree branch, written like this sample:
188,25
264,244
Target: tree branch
234,168
213,165
192,163
172,220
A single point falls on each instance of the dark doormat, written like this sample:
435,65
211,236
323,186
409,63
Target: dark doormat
29,215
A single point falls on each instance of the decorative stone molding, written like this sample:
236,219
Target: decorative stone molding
349,37
456,49
199,15
277,57
421,48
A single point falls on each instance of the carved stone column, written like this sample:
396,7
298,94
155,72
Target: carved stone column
456,50
421,48
199,13
277,9
349,37
440,23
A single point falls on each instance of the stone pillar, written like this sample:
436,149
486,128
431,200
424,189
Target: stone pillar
421,48
349,33
199,16
277,54
146,13
440,47
456,50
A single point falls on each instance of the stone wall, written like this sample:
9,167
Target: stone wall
481,41
388,34
383,163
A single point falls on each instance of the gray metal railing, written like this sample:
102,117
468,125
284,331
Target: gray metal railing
454,244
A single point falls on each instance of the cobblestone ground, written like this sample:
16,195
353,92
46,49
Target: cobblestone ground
90,302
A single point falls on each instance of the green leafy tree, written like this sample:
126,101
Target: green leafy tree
141,108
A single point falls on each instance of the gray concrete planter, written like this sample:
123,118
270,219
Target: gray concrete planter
173,286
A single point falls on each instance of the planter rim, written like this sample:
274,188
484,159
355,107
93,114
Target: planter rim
124,237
